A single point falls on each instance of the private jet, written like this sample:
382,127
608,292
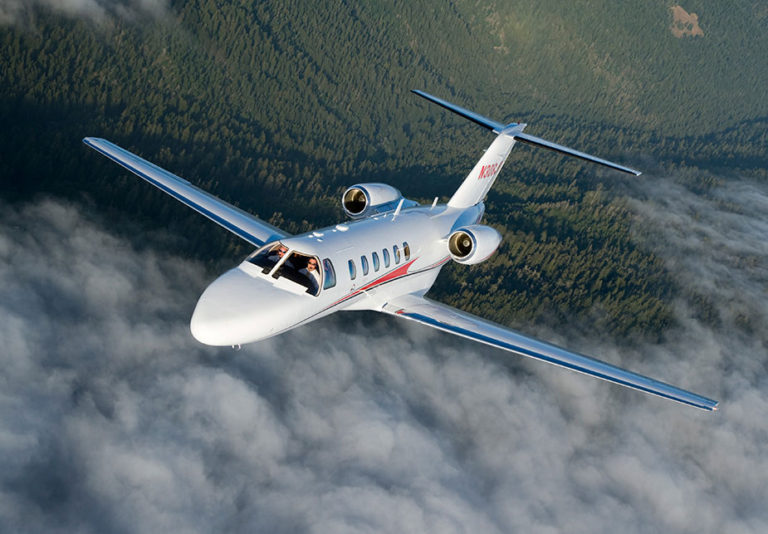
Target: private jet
385,258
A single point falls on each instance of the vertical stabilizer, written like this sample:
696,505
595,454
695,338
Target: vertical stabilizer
480,180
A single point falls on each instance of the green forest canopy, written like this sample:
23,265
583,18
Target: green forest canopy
279,106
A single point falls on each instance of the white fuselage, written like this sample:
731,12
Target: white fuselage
385,261
247,304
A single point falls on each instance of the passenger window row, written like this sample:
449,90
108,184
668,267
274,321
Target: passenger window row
375,260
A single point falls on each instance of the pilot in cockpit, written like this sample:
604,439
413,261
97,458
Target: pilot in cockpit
312,274
296,267
277,253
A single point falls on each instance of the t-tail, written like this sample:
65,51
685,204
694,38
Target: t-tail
477,184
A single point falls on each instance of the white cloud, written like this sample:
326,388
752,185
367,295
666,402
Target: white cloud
17,11
112,419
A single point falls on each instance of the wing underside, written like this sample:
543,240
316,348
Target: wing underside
237,221
448,319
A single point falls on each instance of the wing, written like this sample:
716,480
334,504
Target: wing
463,324
237,221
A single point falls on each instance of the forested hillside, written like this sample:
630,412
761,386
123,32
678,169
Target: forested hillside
280,105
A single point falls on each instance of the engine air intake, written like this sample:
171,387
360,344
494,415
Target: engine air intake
354,201
460,244
473,244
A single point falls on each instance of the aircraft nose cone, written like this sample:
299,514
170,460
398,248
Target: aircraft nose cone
237,308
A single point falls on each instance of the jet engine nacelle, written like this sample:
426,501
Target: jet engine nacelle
363,200
473,244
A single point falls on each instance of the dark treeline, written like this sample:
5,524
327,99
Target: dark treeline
279,106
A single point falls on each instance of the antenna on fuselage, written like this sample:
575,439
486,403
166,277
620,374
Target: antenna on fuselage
399,207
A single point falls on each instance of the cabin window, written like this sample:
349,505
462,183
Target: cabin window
406,251
396,253
375,258
352,270
330,274
364,262
385,254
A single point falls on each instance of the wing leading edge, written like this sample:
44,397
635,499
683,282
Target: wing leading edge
463,324
237,221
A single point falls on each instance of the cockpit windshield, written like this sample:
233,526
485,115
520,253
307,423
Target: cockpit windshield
268,256
299,268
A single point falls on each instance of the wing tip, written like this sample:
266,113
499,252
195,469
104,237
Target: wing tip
92,141
708,405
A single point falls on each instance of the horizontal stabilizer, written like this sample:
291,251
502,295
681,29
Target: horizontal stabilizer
536,141
485,122
515,131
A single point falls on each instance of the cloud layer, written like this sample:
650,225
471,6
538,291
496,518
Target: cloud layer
18,11
112,419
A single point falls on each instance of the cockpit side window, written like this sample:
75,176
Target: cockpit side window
299,268
406,251
312,275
